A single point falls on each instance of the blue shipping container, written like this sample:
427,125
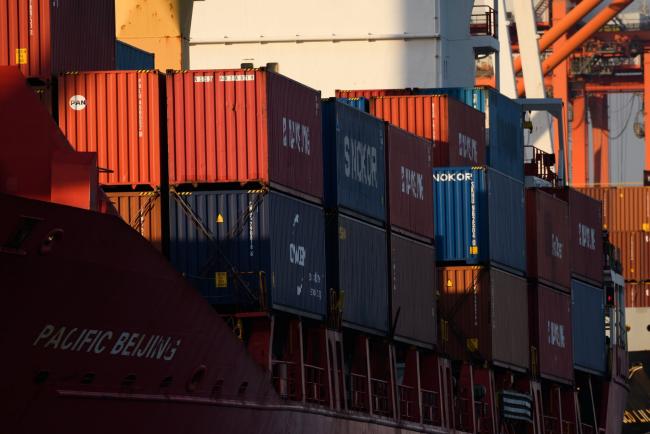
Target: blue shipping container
479,217
357,266
128,57
504,126
253,243
359,103
355,161
588,318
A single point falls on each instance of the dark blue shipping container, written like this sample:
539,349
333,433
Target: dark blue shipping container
360,103
254,243
479,217
355,161
357,268
588,318
128,57
504,126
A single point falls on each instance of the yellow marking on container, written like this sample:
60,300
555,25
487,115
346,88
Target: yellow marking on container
21,56
450,283
472,344
221,279
219,218
343,234
473,250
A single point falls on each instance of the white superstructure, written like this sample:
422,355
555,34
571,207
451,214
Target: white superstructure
339,44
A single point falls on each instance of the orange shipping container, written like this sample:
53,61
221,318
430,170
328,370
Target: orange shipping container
456,129
143,212
624,208
635,253
117,115
484,315
637,294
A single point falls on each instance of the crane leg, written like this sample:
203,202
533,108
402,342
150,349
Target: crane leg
579,141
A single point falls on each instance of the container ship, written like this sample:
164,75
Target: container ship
227,249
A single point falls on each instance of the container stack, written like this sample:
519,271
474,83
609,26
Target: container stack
245,162
626,218
119,115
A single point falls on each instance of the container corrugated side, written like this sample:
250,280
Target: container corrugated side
635,253
44,38
369,93
359,103
630,209
503,126
410,194
276,243
413,287
143,211
128,57
484,315
244,125
354,149
117,115
479,218
551,336
604,195
588,316
548,239
637,294
456,130
357,269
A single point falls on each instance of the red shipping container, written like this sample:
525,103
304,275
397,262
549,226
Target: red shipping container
637,294
45,37
117,115
369,93
604,195
548,239
484,314
635,253
244,125
456,129
551,333
410,191
585,217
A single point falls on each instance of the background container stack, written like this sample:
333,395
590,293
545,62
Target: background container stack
245,162
626,217
120,115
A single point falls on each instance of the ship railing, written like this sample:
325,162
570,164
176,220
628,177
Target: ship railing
315,390
483,21
568,427
408,404
588,429
359,392
464,414
430,407
284,377
381,397
551,425
540,164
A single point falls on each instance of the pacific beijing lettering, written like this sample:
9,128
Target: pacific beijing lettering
452,177
360,162
124,344
467,147
412,183
296,136
586,236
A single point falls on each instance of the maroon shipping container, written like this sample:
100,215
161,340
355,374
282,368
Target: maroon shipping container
413,288
45,37
116,114
604,195
143,212
637,294
585,217
484,315
244,125
635,253
551,333
456,129
410,191
369,93
548,239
